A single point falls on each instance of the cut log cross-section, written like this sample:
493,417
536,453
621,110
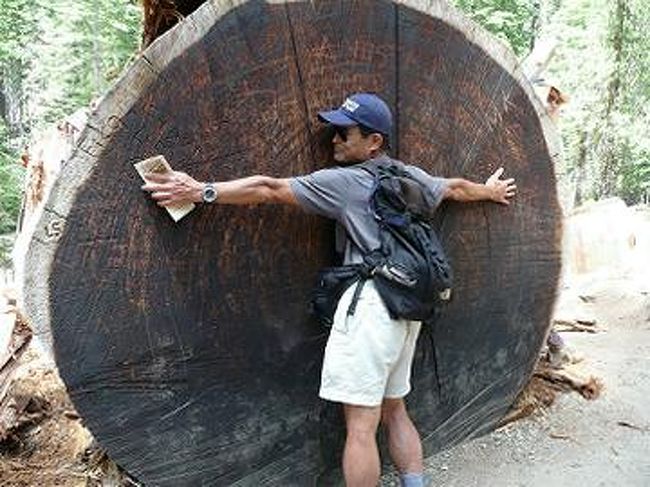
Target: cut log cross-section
187,347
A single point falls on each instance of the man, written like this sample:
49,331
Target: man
368,357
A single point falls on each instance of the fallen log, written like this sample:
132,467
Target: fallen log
16,336
187,347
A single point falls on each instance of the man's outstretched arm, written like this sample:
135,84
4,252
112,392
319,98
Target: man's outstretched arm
176,187
494,189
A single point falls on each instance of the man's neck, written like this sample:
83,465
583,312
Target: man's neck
378,157
373,157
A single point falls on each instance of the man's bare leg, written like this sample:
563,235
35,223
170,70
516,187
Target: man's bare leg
404,442
361,466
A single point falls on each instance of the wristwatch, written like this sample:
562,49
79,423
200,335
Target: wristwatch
209,193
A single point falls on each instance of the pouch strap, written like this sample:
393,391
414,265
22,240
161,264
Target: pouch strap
355,297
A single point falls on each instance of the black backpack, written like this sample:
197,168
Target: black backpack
409,269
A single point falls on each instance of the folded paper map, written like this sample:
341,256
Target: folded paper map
158,164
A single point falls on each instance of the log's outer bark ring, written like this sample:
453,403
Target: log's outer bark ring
478,389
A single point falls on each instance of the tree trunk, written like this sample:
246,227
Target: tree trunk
609,155
13,102
96,57
581,170
187,347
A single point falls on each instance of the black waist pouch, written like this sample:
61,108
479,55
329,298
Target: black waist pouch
332,283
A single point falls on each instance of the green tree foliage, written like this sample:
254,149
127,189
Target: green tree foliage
18,29
55,57
82,48
513,21
627,100
10,183
602,63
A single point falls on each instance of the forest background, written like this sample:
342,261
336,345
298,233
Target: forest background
56,56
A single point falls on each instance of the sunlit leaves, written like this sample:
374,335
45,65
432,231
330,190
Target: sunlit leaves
602,62
55,57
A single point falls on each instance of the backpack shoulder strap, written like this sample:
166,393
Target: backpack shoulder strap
376,166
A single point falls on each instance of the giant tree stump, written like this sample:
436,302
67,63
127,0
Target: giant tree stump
187,347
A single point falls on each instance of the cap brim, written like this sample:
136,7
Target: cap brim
336,117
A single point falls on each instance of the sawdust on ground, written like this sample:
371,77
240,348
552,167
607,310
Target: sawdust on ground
48,444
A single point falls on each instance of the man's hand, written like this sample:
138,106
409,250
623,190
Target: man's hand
173,187
501,189
494,189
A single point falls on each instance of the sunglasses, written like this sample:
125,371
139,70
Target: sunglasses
342,132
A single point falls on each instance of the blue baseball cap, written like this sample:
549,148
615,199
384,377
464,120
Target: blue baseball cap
361,108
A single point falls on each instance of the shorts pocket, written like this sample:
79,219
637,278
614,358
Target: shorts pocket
343,323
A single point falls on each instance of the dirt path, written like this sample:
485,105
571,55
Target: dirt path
577,443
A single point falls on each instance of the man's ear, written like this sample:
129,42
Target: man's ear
377,141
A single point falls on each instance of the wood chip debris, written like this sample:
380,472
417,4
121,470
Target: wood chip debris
559,436
588,326
588,387
625,424
585,298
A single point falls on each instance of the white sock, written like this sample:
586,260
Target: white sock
411,480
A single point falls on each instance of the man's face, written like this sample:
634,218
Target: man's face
350,146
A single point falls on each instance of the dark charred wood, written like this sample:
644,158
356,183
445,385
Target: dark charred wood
187,347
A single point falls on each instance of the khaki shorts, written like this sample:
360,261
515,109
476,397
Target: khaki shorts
368,355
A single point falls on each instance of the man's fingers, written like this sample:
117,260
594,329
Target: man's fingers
161,195
494,178
509,181
154,187
158,177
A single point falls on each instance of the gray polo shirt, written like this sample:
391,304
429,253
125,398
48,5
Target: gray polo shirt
343,193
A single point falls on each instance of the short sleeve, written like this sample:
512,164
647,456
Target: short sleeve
436,185
322,192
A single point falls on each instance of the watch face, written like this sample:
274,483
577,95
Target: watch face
209,193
